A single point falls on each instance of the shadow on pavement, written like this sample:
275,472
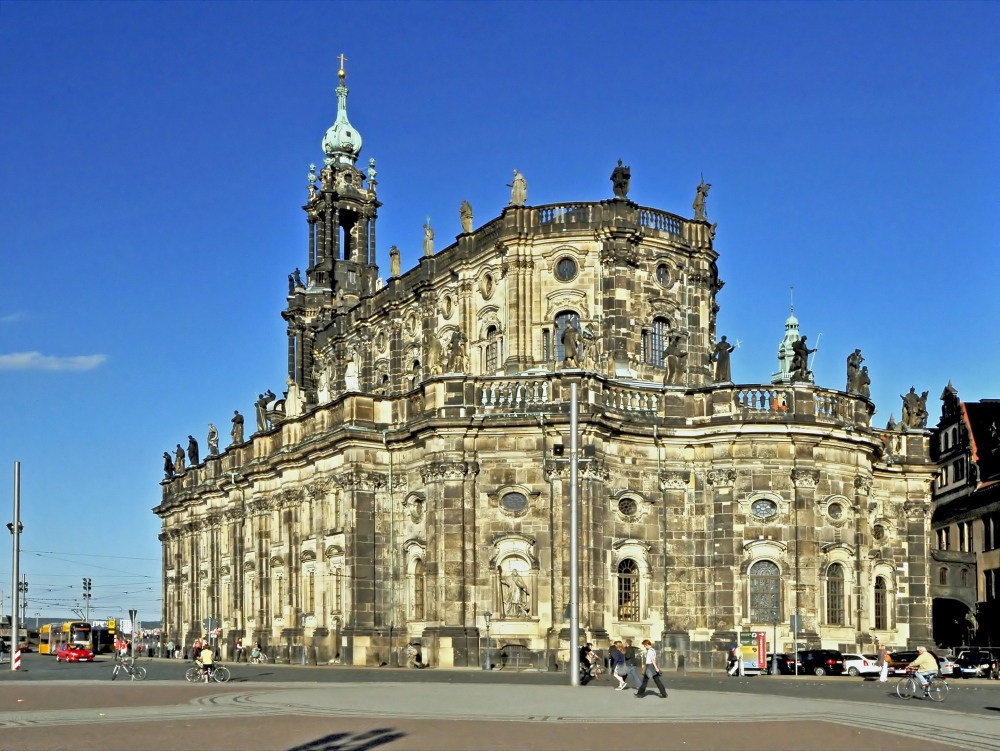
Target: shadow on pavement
351,741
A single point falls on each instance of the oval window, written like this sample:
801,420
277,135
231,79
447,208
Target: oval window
835,511
764,508
879,532
663,275
514,502
565,269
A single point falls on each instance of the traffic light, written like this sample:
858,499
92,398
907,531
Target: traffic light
86,587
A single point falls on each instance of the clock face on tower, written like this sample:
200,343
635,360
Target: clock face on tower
764,508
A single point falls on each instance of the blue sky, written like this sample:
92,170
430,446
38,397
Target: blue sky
154,159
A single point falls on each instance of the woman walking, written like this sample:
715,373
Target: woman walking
652,670
618,668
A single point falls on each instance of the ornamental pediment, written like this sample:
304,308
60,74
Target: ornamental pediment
567,299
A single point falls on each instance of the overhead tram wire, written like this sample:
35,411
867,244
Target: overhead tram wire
89,555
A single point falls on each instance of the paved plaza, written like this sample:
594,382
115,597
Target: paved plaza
396,714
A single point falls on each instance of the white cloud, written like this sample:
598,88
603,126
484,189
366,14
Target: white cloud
38,361
12,317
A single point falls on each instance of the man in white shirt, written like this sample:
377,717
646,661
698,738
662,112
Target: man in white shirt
652,670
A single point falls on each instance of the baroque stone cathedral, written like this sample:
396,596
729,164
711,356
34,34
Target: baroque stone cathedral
415,476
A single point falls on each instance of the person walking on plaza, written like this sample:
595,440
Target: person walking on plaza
618,668
238,648
652,670
883,664
733,667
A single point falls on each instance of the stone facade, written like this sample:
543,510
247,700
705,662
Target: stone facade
418,473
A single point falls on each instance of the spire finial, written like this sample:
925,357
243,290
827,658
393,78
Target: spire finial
342,73
791,299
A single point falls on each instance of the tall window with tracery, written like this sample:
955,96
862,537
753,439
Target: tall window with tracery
419,584
765,592
336,590
881,604
564,319
835,595
492,350
657,341
311,593
628,590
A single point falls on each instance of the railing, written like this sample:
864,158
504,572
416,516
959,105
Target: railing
513,396
632,400
775,401
660,220
568,213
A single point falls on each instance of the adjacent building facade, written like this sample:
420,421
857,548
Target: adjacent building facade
416,474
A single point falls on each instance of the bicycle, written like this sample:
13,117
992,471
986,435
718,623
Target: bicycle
135,672
908,687
217,673
257,659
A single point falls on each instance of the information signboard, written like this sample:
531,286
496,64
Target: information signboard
753,649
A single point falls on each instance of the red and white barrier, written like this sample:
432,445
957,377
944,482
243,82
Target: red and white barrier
17,659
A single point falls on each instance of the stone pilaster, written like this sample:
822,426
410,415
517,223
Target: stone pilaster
677,610
805,593
723,551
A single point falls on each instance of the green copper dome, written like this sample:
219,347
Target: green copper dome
342,142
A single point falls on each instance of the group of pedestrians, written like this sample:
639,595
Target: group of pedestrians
626,661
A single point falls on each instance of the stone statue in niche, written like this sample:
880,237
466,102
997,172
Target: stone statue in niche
351,372
394,262
168,466
800,360
213,440
914,409
237,432
700,213
515,597
571,347
673,356
435,355
854,361
192,451
456,353
179,460
518,190
620,178
864,383
323,388
465,214
428,238
293,399
591,351
720,356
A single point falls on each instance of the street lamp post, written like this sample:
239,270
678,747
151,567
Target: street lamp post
488,616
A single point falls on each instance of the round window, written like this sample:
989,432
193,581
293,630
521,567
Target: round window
449,307
764,508
514,502
835,510
627,507
663,275
565,269
879,532
487,287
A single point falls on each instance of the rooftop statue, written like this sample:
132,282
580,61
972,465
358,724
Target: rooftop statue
298,278
864,383
192,450
620,178
800,360
237,432
312,183
518,190
914,409
700,214
168,466
720,356
854,361
571,347
672,357
179,460
261,405
465,214
428,238
394,262
213,440
371,175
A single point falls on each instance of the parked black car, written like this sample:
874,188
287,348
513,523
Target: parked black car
786,663
972,663
821,662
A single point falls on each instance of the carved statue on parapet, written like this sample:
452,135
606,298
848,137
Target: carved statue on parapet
213,440
394,262
571,347
371,175
168,466
800,360
672,357
465,214
720,356
914,409
457,361
312,183
854,361
298,278
518,190
620,179
179,460
291,285
192,450
428,239
700,213
261,406
237,432
435,355
591,350
293,399
864,383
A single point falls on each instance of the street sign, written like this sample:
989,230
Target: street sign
796,623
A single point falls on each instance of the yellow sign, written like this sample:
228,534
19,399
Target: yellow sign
111,624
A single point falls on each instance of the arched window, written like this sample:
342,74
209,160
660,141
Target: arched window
835,595
335,594
628,590
311,593
492,350
965,577
881,604
943,576
419,588
564,319
546,345
657,341
765,592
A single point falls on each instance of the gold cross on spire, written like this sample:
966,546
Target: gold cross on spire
342,73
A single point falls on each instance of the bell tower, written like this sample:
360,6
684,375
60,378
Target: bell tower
341,269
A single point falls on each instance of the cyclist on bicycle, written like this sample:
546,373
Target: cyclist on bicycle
925,667
207,659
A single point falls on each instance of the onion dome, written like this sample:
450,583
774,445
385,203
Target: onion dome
342,142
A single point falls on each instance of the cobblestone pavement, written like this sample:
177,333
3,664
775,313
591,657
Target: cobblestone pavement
352,717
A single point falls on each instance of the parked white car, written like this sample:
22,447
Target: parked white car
855,665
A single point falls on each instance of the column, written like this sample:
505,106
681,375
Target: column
322,233
723,552
312,241
678,608
359,561
805,594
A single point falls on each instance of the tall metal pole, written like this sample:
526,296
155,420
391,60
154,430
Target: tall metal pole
15,626
574,536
